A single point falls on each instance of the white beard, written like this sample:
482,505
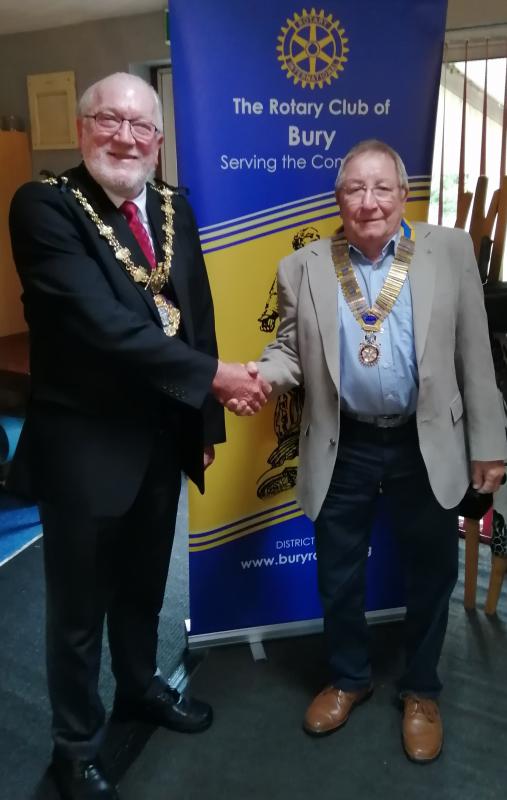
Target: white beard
126,181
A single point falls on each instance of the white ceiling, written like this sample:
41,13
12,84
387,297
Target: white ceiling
18,16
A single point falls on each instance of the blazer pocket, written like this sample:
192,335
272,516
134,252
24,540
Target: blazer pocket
456,406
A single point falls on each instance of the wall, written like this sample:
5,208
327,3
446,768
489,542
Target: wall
15,168
95,49
470,14
91,49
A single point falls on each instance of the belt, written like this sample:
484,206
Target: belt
381,421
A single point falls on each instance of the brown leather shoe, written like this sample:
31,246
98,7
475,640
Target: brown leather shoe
422,729
331,709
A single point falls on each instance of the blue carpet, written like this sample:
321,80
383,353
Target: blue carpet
19,525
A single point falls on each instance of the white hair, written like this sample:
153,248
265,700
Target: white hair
373,146
87,100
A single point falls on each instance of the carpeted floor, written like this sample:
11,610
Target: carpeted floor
256,748
25,745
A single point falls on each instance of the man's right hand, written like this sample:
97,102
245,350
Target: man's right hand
240,389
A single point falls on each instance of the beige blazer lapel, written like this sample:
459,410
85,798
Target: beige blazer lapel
324,292
422,276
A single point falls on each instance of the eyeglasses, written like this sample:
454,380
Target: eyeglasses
356,192
109,123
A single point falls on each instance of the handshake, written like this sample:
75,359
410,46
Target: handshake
240,388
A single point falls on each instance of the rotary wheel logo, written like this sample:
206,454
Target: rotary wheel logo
312,48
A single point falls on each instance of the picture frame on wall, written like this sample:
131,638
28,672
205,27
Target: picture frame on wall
52,105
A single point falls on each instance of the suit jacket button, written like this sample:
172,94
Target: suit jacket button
332,442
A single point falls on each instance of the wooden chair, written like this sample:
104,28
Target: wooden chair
473,510
489,253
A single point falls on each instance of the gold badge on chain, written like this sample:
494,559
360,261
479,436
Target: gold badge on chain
369,350
370,319
154,280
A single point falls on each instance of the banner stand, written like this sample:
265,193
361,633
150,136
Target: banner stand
257,635
267,104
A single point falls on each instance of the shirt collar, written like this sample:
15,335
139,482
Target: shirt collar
388,249
140,202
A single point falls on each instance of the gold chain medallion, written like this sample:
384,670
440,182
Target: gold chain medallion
371,319
155,279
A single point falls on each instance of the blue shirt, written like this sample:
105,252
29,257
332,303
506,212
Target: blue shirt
391,385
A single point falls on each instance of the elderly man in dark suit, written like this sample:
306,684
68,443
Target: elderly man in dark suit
384,324
126,393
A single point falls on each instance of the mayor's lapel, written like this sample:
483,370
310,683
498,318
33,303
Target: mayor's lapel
324,291
177,278
156,218
109,214
111,217
422,276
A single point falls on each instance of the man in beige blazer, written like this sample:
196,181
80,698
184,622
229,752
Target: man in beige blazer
384,325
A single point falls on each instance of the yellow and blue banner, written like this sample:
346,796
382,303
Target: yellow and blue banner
268,100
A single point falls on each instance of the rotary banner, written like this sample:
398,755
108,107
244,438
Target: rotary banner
268,99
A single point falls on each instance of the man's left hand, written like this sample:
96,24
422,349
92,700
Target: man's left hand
209,456
487,475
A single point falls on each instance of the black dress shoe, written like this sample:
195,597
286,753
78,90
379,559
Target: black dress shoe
81,780
170,709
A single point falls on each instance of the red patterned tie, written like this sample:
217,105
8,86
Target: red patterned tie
129,210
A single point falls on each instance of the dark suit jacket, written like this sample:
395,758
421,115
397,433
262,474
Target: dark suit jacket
105,378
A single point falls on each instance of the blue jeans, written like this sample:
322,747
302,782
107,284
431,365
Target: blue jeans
389,460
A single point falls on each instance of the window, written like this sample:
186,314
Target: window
448,130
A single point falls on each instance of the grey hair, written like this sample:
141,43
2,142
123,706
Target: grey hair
86,101
373,146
